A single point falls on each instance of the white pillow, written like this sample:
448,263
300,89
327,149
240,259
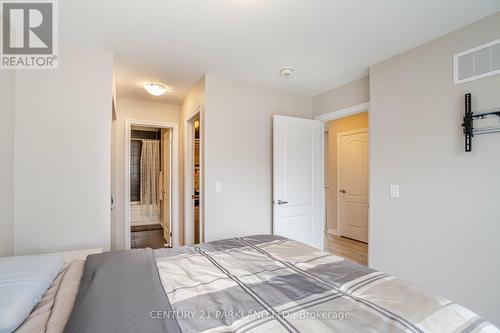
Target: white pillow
23,282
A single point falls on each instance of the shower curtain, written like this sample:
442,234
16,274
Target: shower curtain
150,171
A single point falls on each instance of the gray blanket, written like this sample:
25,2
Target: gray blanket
119,292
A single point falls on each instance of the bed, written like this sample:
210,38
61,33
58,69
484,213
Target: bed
250,284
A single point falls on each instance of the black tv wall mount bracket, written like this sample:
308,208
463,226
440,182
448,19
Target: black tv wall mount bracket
468,124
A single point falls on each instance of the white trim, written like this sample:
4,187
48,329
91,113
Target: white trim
456,80
370,194
333,232
188,179
174,221
340,134
355,109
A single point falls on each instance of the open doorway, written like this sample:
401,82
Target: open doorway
196,181
347,184
193,227
150,185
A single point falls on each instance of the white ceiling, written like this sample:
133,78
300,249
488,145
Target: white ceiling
327,42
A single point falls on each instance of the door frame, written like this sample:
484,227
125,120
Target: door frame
342,113
346,112
198,112
339,135
174,176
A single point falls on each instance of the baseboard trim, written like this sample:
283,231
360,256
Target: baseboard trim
333,232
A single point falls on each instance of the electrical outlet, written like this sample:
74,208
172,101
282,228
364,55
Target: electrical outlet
218,186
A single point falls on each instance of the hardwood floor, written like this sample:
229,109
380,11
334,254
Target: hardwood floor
152,236
147,236
348,248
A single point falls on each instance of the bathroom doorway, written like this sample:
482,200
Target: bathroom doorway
151,182
149,187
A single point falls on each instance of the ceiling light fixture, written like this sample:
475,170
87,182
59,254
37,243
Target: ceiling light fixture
155,88
286,71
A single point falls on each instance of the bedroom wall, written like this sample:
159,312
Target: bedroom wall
442,232
353,93
238,136
193,100
137,110
62,153
7,83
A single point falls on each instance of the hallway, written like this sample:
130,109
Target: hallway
347,248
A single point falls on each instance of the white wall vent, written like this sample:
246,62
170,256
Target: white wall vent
477,63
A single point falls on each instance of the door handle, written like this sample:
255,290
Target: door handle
282,202
342,191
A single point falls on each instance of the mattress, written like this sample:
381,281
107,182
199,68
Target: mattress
254,284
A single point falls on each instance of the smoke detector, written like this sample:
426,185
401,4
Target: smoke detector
286,71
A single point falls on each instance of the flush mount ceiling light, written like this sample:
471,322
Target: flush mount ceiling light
286,71
155,88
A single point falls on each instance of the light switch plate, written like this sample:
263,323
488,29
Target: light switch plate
218,187
394,191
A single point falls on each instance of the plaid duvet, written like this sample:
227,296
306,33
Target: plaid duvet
273,284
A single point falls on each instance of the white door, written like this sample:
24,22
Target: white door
352,191
298,174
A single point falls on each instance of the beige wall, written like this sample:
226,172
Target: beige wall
443,231
7,82
238,123
62,153
136,110
354,122
356,92
194,100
